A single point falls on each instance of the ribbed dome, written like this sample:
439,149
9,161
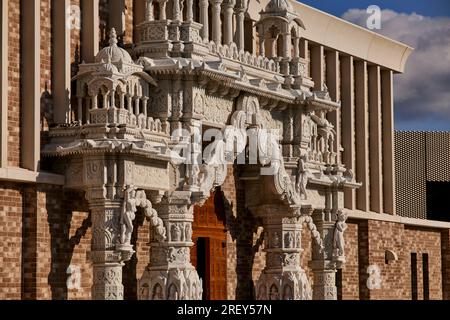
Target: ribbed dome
113,53
278,6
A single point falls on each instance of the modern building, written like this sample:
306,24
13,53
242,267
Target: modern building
102,195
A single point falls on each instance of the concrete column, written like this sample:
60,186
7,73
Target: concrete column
317,67
348,123
240,31
31,85
216,21
61,62
362,135
375,140
90,30
333,77
388,141
117,17
228,21
204,19
4,84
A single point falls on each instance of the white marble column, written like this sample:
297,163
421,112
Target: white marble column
176,11
287,45
240,31
149,12
204,19
31,85
189,10
228,7
216,21
362,135
296,44
162,9
387,92
4,84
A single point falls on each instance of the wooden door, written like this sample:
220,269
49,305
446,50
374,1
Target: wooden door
209,254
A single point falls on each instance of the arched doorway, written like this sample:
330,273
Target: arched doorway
209,254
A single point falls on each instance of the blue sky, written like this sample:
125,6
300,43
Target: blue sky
422,93
431,8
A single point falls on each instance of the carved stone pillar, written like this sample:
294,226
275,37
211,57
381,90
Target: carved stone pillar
216,21
325,262
240,38
176,14
149,14
189,11
170,274
204,20
228,21
162,9
106,260
282,278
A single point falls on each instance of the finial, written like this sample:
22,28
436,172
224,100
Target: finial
113,37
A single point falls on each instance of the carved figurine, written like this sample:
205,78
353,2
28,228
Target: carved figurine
173,293
262,293
175,233
287,293
338,243
188,232
128,215
274,293
289,240
276,240
157,292
302,179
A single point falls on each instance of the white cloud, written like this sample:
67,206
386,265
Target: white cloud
424,90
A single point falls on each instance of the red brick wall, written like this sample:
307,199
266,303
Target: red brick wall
14,70
244,248
10,241
366,244
445,249
46,64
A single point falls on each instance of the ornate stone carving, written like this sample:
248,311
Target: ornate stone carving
132,200
338,239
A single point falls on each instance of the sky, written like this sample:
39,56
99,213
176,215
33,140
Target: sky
422,93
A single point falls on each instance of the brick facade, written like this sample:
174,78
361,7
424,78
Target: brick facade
14,94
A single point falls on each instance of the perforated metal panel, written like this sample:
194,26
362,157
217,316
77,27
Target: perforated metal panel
419,157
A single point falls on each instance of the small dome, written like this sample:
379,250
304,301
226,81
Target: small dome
279,6
113,53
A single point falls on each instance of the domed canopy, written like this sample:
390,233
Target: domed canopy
113,53
278,6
